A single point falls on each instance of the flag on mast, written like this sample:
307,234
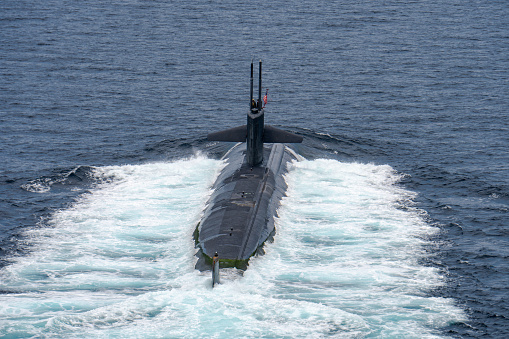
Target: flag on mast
265,97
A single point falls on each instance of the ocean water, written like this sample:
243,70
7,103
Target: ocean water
395,222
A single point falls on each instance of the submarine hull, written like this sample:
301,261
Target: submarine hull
239,216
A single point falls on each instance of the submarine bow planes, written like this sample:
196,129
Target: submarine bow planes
239,216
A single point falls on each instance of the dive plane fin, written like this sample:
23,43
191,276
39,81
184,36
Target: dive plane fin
270,135
235,134
276,135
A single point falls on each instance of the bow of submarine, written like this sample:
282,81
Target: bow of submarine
239,216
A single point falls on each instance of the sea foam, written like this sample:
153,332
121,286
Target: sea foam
346,261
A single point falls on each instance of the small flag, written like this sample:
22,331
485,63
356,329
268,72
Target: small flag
265,98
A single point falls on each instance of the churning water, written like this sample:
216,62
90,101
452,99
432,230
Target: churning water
346,261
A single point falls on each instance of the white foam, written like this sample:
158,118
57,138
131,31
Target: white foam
120,262
38,185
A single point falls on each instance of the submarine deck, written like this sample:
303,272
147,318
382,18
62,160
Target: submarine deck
239,216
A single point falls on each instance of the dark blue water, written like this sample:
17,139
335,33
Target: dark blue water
420,86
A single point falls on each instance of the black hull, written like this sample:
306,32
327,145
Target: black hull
239,216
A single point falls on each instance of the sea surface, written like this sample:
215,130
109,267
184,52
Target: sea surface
396,219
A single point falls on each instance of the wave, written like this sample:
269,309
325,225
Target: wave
345,262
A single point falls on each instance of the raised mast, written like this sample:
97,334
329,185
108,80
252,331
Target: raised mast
251,106
260,87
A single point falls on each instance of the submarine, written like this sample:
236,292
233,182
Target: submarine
239,215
